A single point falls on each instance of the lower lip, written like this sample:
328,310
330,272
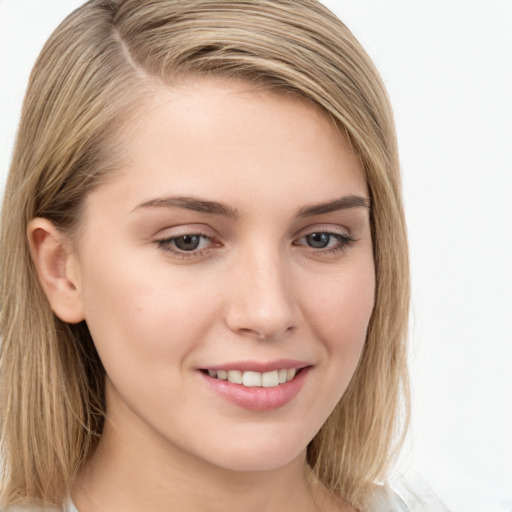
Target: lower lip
258,398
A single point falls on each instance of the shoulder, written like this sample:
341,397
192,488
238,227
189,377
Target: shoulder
403,496
383,499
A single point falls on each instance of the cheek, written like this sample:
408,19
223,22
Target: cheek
339,314
343,307
144,327
139,316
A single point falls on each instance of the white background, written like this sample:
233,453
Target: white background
448,68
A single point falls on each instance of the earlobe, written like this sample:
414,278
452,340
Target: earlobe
57,269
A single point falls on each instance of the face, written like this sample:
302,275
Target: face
227,276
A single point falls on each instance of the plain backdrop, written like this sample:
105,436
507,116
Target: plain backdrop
448,68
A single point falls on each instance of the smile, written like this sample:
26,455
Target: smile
258,391
253,379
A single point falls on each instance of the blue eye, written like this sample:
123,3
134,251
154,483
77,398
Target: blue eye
318,240
326,242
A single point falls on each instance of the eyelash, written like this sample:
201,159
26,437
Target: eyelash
167,245
344,241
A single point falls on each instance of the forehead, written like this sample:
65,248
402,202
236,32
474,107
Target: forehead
234,141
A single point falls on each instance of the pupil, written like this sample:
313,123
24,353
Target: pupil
187,242
318,240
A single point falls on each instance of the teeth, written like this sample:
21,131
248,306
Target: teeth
235,376
255,379
251,379
270,379
290,373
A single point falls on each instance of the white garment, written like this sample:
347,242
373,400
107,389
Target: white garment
405,499
396,506
384,501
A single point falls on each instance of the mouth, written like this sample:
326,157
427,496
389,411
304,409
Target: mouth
256,385
252,379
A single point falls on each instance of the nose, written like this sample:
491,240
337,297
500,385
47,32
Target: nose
263,301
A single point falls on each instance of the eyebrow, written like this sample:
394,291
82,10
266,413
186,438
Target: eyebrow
191,203
216,208
343,203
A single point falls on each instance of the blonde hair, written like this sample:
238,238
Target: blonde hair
91,77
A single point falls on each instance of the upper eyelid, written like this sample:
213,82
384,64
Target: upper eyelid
171,231
323,228
185,229
208,232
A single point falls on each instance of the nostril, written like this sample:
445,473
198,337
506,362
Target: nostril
265,334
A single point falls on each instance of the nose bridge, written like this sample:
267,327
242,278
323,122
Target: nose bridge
264,302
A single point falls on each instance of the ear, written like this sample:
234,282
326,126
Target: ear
58,269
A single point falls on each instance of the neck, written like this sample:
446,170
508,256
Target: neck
124,474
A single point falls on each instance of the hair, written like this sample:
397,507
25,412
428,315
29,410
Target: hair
91,78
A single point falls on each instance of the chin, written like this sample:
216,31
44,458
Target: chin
267,456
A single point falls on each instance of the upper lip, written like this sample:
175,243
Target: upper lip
259,366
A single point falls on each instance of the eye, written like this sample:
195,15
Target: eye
189,242
325,241
318,240
187,245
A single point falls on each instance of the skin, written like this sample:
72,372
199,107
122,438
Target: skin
255,289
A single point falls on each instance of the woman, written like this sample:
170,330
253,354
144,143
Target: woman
204,297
